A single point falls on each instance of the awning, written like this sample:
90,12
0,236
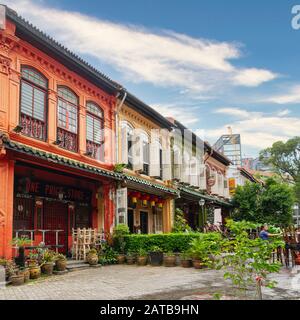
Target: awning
196,195
54,158
149,186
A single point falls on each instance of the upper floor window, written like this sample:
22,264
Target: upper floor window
127,144
94,131
146,155
33,111
67,115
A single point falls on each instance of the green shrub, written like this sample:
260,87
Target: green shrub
170,242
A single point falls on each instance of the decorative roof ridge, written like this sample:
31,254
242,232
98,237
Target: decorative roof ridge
50,155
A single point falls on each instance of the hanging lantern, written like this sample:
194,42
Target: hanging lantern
145,199
135,196
153,201
160,203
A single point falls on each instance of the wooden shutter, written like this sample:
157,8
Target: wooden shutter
194,172
121,205
202,182
177,165
185,173
166,158
124,144
154,169
137,151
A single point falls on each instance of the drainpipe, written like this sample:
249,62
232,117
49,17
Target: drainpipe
117,123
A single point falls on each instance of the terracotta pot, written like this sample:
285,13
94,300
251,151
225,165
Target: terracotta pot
47,268
197,264
61,264
142,261
17,280
297,260
156,258
170,261
32,263
186,263
26,274
121,258
130,260
35,272
92,259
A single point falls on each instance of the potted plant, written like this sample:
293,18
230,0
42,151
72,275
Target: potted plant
185,259
17,278
198,252
156,256
142,257
48,262
34,268
20,243
92,257
60,262
26,273
130,258
119,234
169,259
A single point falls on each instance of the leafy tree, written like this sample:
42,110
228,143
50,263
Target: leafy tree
247,262
180,223
270,203
285,159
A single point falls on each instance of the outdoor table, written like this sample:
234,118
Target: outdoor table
43,231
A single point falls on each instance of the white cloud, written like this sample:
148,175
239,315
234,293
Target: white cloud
163,58
253,77
258,130
236,112
291,96
177,112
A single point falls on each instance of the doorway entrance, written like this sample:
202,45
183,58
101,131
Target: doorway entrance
56,218
130,220
144,222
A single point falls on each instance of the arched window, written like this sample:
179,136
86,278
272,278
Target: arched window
94,130
127,143
33,110
67,115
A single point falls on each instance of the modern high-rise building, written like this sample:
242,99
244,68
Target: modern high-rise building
230,145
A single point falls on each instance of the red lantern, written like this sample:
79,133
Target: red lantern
153,201
145,199
135,196
160,203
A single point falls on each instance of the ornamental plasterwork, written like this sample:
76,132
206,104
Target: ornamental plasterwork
64,75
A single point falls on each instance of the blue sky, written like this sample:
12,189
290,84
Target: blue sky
209,63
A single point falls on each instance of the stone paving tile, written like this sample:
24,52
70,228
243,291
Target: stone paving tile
122,282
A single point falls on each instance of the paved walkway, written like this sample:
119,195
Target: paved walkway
133,282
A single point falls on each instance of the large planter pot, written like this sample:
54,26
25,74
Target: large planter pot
26,274
130,260
32,263
17,280
35,272
197,264
297,260
186,263
121,258
92,259
61,265
142,261
47,268
170,261
156,258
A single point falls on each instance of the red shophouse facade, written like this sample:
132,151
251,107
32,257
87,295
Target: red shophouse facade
57,118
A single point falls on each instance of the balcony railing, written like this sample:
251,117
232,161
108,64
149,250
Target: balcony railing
32,127
67,140
94,150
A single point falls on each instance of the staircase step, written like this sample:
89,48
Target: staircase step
76,264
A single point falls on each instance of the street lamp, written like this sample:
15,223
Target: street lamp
202,204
